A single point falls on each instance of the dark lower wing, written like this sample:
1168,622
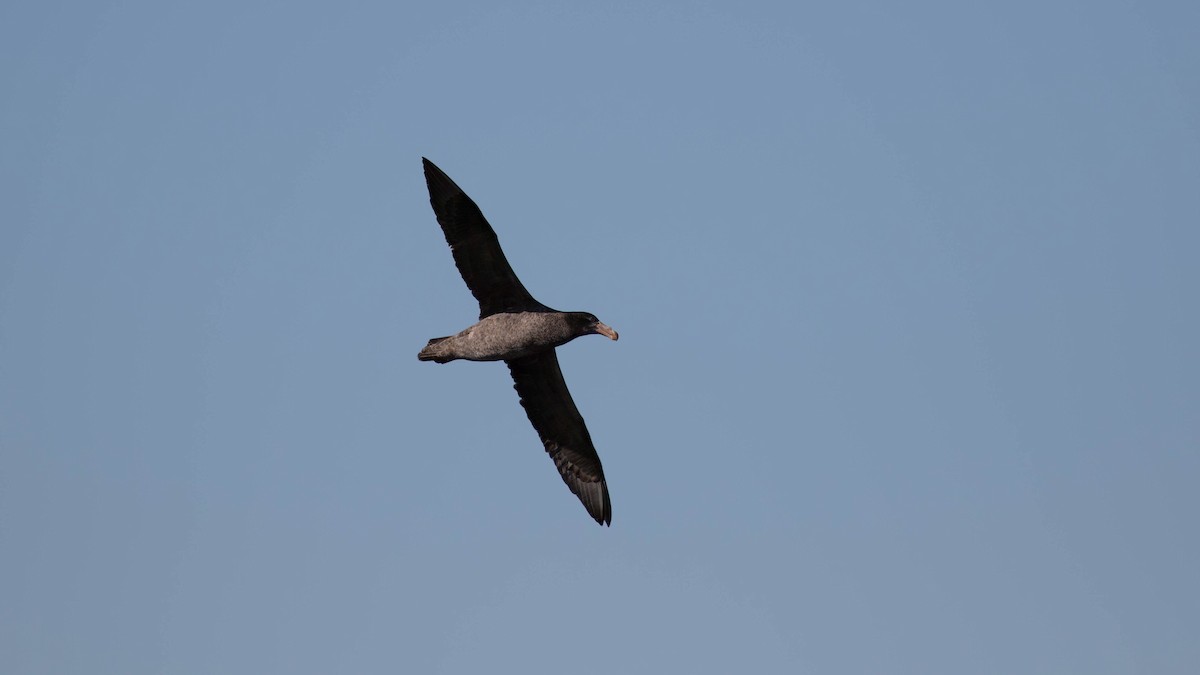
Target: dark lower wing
544,395
476,249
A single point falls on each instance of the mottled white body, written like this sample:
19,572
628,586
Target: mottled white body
508,335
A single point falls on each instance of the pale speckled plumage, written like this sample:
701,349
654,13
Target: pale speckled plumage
508,335
516,328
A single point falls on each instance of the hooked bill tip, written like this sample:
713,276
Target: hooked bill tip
606,331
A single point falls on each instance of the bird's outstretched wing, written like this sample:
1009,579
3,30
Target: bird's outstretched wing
544,395
476,248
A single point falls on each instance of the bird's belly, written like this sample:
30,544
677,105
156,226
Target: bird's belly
473,348
503,336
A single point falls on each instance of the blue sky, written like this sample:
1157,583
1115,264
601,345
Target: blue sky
907,378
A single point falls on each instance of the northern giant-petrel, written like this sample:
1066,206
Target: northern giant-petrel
522,332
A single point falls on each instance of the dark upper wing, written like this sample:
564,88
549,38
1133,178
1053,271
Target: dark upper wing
544,395
475,246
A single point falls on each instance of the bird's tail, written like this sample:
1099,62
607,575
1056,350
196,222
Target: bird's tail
428,353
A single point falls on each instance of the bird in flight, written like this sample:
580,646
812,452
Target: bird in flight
522,332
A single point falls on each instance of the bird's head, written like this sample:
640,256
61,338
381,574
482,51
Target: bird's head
588,324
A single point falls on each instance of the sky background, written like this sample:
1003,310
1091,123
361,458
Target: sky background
907,381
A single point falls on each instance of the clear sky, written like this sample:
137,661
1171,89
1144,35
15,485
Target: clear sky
907,379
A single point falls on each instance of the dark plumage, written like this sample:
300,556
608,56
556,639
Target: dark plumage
522,332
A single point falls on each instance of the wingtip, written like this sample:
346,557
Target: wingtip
603,519
600,512
441,186
431,170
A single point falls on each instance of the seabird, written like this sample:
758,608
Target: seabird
522,332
